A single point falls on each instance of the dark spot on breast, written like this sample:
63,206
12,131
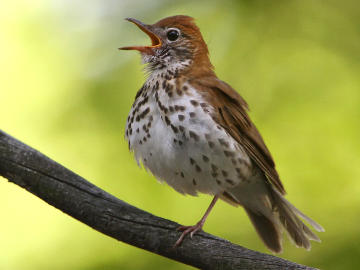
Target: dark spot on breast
233,161
224,173
137,119
218,181
203,105
180,142
175,129
240,160
148,135
162,107
192,161
182,174
140,91
181,128
231,182
192,114
206,110
140,141
185,88
223,142
194,182
144,113
130,130
167,121
198,169
181,117
211,144
168,89
178,91
205,158
171,108
194,103
229,153
193,135
156,87
145,159
137,130
214,167
214,174
175,140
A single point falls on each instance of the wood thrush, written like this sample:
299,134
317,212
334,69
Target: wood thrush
192,131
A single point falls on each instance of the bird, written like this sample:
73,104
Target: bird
192,130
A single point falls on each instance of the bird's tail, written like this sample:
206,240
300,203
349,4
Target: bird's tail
270,213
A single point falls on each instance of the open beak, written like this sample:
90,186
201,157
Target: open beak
155,40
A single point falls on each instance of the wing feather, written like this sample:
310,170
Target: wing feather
231,113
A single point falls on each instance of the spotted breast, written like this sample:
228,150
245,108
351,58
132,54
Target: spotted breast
171,131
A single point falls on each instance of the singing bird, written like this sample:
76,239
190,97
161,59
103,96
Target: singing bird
193,131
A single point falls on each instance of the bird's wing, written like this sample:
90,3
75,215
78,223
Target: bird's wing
231,113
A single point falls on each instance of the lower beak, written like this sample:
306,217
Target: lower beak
155,40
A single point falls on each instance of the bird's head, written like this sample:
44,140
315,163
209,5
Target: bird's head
176,42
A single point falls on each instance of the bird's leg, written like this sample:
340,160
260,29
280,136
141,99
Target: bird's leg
198,226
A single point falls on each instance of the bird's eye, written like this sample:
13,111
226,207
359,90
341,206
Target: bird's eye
172,35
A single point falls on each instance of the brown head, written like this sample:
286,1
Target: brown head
176,41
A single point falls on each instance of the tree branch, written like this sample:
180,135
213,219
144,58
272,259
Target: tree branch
98,209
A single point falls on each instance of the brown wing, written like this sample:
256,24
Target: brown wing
231,114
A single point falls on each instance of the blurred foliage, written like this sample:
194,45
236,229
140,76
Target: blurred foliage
66,90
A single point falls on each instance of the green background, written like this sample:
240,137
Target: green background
66,90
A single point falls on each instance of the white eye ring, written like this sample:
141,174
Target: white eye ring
173,34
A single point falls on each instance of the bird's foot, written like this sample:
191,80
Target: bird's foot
188,229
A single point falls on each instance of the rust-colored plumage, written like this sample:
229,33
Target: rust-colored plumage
192,130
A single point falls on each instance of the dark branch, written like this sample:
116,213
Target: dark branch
91,205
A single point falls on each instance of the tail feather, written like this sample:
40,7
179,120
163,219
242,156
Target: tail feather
268,231
297,230
270,212
313,223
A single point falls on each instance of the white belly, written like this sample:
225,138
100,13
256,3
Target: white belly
183,146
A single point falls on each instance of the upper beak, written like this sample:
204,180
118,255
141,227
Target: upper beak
155,40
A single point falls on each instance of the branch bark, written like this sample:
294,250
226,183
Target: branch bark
105,213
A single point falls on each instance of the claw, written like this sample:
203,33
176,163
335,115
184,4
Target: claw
193,229
182,228
186,230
